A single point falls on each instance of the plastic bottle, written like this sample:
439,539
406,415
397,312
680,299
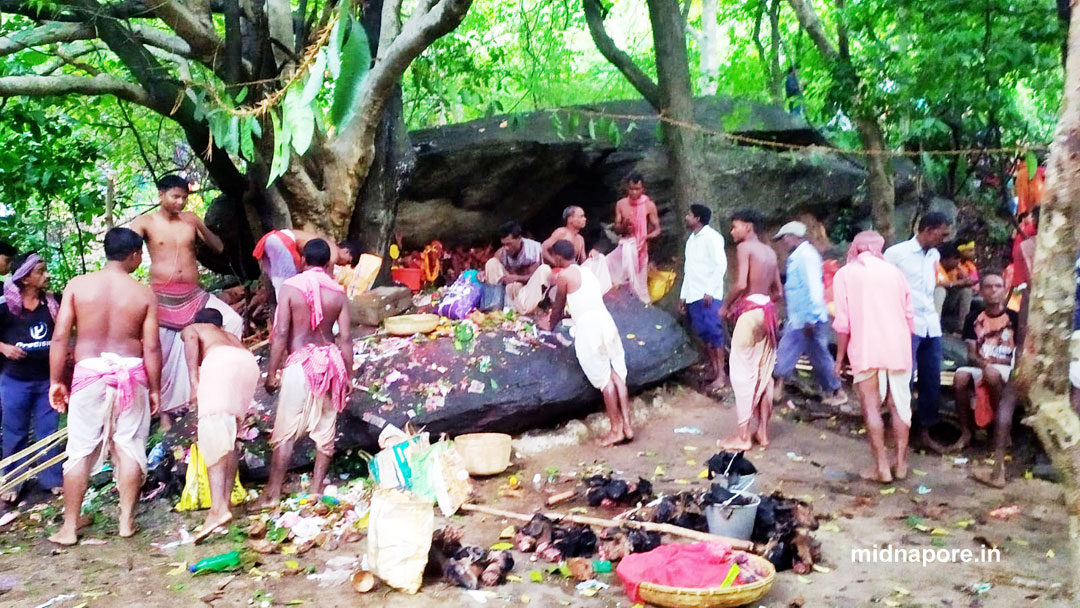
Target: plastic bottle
217,563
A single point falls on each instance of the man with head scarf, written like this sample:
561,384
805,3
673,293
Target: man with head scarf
27,318
874,323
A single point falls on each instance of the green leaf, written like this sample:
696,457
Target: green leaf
247,144
300,119
1032,164
355,63
592,129
315,80
256,127
333,52
232,137
242,95
282,135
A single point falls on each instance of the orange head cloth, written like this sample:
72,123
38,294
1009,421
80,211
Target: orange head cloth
867,241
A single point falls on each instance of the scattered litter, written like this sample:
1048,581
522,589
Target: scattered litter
689,430
792,456
887,491
919,472
978,588
1050,553
960,460
56,600
591,587
8,517
331,578
1006,512
93,542
476,387
923,490
341,561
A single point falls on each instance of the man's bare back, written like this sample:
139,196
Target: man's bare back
762,269
209,336
110,312
171,243
299,323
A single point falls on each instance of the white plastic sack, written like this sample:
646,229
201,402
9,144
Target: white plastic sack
399,538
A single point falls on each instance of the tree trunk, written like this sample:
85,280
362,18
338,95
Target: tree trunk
377,205
709,60
1042,378
683,142
879,181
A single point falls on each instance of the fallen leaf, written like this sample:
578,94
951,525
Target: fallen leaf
804,580
524,598
508,532
821,569
887,491
502,547
513,578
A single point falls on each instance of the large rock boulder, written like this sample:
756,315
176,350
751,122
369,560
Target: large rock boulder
471,177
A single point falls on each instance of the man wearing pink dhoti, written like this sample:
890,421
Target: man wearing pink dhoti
637,222
223,376
874,322
316,377
117,380
753,342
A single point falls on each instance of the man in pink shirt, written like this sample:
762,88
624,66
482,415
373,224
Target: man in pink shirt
874,323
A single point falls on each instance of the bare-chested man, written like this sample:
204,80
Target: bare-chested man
637,222
278,252
573,223
223,378
753,343
170,236
117,379
316,377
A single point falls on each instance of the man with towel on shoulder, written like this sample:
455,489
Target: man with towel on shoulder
223,377
117,381
315,381
170,236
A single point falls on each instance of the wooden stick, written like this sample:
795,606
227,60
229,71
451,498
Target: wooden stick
8,484
735,543
40,445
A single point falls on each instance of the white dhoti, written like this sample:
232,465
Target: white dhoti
895,383
175,382
626,267
98,419
524,297
598,265
599,348
300,411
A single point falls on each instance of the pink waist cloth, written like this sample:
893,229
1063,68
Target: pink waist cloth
324,370
754,302
122,374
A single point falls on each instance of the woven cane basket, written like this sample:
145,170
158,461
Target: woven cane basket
712,597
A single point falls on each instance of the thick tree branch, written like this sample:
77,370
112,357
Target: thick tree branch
102,84
74,13
49,33
810,22
197,30
594,17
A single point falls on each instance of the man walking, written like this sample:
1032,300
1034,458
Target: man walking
702,292
918,259
807,326
116,386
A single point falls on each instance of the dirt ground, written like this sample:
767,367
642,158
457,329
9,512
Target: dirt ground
812,460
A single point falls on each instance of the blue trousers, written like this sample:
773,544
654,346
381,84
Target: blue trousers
26,405
815,345
927,354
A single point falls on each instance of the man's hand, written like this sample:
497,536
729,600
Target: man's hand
155,402
194,401
58,397
838,368
273,383
12,352
708,300
544,323
682,307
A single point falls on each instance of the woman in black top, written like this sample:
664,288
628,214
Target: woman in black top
27,315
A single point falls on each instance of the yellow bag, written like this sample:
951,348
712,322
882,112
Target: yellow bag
660,282
196,494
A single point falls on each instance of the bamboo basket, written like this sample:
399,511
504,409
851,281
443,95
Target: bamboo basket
484,453
712,597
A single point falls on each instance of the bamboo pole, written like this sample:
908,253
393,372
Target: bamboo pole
8,484
649,526
39,446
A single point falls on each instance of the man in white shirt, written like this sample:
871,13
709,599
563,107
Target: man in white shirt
703,289
917,258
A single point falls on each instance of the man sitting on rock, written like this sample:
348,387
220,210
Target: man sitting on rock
519,265
597,342
573,223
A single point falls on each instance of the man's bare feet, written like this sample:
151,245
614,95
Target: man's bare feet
735,444
262,503
991,478
10,497
762,436
64,537
836,399
872,473
212,523
127,527
900,470
615,436
627,429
